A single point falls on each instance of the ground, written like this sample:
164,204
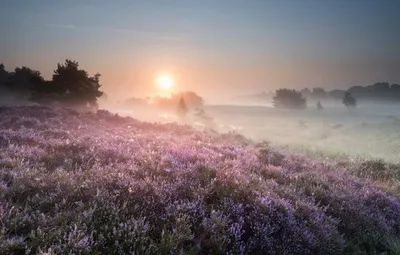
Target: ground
370,131
77,183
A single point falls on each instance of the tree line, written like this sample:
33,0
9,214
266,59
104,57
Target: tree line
73,87
70,86
292,99
380,91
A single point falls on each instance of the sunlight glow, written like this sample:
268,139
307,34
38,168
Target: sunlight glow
165,82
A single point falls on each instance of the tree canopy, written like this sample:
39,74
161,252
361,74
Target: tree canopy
318,93
69,85
22,80
379,92
191,99
289,99
349,101
3,75
182,108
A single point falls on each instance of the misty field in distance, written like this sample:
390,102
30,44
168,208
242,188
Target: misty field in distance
368,131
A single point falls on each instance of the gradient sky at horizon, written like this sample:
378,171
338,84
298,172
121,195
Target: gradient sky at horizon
214,47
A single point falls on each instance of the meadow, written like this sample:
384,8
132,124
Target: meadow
84,183
369,131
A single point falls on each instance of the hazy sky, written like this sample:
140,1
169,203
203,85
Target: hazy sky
220,47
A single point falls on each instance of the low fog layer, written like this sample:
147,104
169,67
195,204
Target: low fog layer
370,130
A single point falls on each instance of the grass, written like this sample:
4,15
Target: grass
331,132
75,183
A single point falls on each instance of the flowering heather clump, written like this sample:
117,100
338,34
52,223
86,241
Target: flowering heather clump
101,184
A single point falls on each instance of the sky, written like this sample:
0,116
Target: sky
214,47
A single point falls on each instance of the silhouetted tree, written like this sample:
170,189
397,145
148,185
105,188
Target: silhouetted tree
337,94
319,106
71,86
22,80
356,90
381,87
192,100
318,93
349,101
380,91
103,97
290,99
395,88
306,92
182,109
3,75
204,118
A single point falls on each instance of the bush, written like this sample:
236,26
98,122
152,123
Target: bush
349,101
289,99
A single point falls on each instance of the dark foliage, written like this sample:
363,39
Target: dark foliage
182,109
3,75
380,91
192,100
289,99
318,93
349,101
319,106
20,82
70,86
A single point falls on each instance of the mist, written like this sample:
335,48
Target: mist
370,130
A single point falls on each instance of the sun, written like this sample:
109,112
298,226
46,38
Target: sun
165,82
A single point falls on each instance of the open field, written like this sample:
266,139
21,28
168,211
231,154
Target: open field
101,184
368,131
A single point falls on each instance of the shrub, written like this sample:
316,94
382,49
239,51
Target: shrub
349,101
289,99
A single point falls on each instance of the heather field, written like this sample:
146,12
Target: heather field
74,183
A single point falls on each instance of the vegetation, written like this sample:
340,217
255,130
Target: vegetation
318,93
206,120
319,106
349,101
192,100
182,109
378,92
70,86
75,183
289,99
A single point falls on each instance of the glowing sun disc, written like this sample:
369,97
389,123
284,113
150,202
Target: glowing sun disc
165,82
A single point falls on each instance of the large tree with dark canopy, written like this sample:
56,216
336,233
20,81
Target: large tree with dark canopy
70,86
22,80
318,93
349,101
3,74
289,99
